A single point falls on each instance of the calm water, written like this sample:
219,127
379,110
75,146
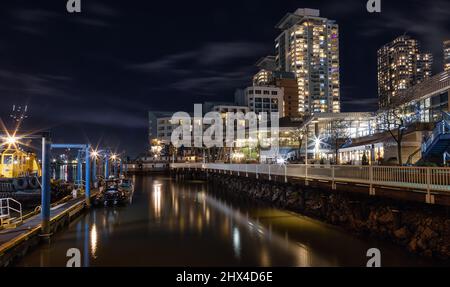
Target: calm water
173,223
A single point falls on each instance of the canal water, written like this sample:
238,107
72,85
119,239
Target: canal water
171,223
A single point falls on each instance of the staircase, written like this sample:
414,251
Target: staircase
10,213
437,147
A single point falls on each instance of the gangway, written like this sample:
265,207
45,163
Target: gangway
10,212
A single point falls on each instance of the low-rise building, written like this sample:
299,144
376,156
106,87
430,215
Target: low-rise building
268,99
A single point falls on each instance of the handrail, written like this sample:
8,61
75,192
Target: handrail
442,127
410,177
9,208
410,157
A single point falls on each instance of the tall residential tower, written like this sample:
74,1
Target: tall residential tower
447,55
308,46
400,66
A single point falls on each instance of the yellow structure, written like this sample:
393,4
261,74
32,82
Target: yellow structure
17,163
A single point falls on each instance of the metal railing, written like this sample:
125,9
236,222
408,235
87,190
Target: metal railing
8,206
79,184
423,178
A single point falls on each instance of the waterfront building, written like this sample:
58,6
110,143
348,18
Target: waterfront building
223,109
427,99
308,46
209,106
153,123
400,66
165,126
267,99
327,132
424,104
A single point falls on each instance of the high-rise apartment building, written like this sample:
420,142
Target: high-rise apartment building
447,55
400,66
308,46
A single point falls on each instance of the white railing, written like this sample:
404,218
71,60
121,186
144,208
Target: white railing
79,184
426,178
8,206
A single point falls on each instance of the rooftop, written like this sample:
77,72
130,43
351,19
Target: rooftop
293,18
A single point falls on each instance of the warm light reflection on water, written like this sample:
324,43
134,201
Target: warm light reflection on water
157,200
94,240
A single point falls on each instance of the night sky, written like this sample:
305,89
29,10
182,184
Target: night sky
93,76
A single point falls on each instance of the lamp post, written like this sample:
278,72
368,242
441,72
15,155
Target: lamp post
306,156
46,189
106,165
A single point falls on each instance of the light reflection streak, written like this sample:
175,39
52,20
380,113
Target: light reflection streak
301,252
94,241
237,242
157,200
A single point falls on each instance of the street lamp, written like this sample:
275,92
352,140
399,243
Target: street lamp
11,140
94,154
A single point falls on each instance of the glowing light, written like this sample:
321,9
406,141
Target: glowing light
281,161
317,143
157,199
94,240
237,242
11,140
237,156
113,156
94,154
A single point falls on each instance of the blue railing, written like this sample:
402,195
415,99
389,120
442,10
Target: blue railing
442,127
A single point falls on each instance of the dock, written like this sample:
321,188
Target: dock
16,242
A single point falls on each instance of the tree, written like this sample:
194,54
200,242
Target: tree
364,160
396,121
338,135
172,151
298,134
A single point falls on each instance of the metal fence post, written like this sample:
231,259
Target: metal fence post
333,183
371,188
285,173
45,189
429,198
306,175
87,169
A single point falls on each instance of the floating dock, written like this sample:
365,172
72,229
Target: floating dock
16,242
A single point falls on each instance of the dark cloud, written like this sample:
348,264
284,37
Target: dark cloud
95,74
207,69
209,54
34,15
108,117
32,85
